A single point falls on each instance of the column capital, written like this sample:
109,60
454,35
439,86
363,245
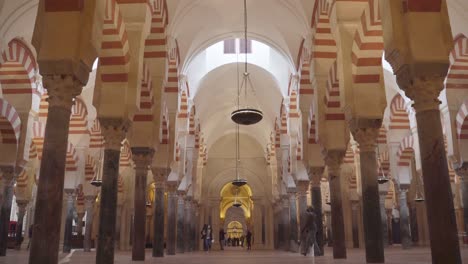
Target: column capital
334,159
302,187
22,205
365,131
62,90
171,187
8,172
424,90
142,156
114,131
462,171
315,175
160,175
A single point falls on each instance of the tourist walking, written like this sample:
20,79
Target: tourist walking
248,237
308,232
221,238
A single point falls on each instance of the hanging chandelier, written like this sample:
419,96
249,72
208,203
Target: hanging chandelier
236,202
97,181
238,181
382,177
245,115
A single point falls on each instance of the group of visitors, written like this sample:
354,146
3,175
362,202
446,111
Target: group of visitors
208,239
309,232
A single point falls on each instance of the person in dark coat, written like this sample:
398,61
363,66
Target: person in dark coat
248,237
308,232
221,238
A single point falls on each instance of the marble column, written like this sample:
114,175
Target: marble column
142,156
67,235
171,218
293,227
404,218
181,222
8,179
62,90
355,222
388,220
188,224
19,226
285,222
365,132
315,175
160,175
114,131
118,226
329,228
383,217
89,206
462,172
334,159
302,188
424,89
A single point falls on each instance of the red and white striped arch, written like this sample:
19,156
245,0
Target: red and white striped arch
120,185
90,168
164,126
38,137
457,77
18,70
332,98
191,121
368,47
96,138
284,121
353,181
32,151
145,114
80,198
384,163
155,44
293,104
349,156
78,118
406,151
125,155
114,58
382,138
183,105
324,48
172,82
312,126
462,122
72,158
10,123
43,107
305,84
21,181
398,114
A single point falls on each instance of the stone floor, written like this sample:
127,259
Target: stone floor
393,255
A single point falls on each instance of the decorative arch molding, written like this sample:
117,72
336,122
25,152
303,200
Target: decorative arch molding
457,77
399,118
10,123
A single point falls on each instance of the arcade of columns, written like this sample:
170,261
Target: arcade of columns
132,122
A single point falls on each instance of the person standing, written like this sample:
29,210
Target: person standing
221,238
248,237
308,232
204,233
209,237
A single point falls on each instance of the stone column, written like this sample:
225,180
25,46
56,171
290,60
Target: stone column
160,175
425,90
19,227
316,196
355,222
62,90
67,235
329,228
365,132
188,224
118,226
285,222
293,228
383,217
302,188
404,218
8,179
114,131
388,220
462,172
142,156
171,218
333,160
181,222
89,205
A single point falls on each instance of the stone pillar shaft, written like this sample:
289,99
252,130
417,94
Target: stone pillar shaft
293,227
333,160
383,218
181,223
67,235
316,196
404,220
424,89
187,225
285,223
158,215
61,89
89,204
171,218
5,211
142,157
19,227
114,131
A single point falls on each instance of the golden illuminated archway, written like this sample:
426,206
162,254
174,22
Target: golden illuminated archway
234,229
231,193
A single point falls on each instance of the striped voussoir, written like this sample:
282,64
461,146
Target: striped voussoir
10,123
